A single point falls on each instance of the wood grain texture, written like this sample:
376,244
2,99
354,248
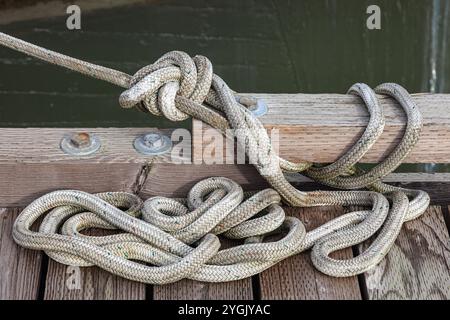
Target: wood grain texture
438,191
297,279
194,290
91,283
26,182
32,164
418,265
95,284
19,268
42,145
176,180
400,177
321,127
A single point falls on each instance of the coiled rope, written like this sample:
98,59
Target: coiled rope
178,236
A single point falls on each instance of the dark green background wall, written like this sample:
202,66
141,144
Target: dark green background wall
257,46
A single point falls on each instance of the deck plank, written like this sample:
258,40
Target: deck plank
19,268
195,290
94,284
418,265
89,283
326,125
34,171
296,277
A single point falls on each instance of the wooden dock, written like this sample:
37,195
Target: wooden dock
264,46
417,267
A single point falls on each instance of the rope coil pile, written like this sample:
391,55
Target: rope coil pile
178,237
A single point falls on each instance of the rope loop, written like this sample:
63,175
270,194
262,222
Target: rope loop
154,88
178,237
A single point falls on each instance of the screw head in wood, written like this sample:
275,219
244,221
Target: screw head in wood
259,109
153,143
80,144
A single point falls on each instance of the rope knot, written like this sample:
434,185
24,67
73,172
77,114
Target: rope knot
157,88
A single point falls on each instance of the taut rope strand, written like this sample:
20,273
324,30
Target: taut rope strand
178,236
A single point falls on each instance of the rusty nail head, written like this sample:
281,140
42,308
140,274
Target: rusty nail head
80,144
81,139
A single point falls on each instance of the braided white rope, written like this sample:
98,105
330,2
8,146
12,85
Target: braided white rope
163,231
178,237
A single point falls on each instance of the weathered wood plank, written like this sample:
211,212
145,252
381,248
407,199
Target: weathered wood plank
19,268
42,145
438,191
321,127
176,180
94,284
33,164
400,177
194,290
90,283
296,277
26,182
418,265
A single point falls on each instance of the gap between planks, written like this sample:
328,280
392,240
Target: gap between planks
89,283
20,268
297,279
418,265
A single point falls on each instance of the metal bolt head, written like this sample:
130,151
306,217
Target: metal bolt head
81,139
153,140
252,108
153,143
259,109
80,144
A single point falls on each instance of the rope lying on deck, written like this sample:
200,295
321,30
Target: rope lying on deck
178,236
